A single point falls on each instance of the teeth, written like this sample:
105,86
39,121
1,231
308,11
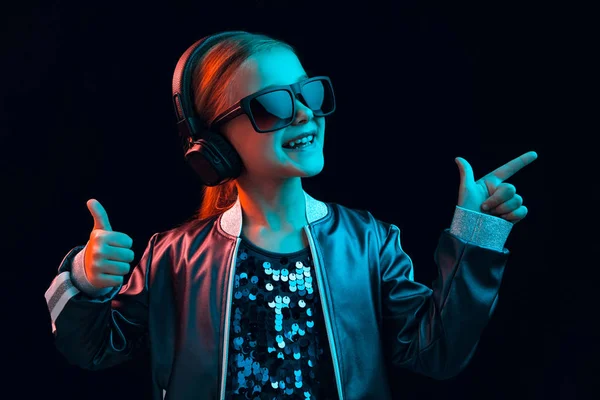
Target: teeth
294,143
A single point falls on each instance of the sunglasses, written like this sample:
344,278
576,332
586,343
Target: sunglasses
274,108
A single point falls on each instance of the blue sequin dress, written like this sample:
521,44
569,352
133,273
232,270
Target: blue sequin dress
278,345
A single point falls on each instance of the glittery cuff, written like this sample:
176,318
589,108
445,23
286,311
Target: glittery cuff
80,280
482,229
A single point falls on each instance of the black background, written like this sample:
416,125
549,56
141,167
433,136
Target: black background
87,113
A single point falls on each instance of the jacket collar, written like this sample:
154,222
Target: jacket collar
231,220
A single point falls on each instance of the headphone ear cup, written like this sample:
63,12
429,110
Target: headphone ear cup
214,159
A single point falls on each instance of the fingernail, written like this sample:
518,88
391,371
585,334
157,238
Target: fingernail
485,207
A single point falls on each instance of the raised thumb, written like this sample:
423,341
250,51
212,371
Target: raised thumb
465,170
99,214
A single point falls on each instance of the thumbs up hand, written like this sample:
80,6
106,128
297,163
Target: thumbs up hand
108,254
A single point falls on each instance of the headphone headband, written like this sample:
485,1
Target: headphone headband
188,122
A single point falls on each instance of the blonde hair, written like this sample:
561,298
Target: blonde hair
210,81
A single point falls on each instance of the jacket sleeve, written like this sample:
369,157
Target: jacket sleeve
434,331
96,329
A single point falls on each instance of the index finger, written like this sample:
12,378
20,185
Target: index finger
118,239
512,167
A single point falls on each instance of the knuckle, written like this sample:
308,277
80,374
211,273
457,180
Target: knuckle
97,282
97,255
100,235
95,271
100,250
102,284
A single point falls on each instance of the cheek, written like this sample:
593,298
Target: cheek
320,122
258,151
245,140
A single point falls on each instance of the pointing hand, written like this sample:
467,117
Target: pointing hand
491,194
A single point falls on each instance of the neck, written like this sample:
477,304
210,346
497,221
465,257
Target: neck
274,206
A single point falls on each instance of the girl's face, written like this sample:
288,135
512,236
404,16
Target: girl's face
263,154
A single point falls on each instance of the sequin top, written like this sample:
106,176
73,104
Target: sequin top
278,346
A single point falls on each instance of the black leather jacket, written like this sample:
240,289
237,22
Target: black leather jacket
177,302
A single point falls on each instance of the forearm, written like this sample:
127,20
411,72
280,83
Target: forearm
436,330
96,332
463,300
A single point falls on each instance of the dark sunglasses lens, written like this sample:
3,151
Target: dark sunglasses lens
319,97
272,111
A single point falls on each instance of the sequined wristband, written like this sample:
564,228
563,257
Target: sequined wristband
480,229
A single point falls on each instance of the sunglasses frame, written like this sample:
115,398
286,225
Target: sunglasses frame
294,90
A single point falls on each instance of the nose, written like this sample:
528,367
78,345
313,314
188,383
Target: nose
303,113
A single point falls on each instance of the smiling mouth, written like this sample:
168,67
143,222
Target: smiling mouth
300,143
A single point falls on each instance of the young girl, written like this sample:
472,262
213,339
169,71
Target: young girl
270,293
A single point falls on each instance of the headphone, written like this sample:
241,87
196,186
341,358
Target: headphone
208,153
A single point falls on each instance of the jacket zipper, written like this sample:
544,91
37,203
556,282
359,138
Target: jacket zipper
336,368
227,318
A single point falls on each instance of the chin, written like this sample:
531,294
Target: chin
303,170
304,164
312,169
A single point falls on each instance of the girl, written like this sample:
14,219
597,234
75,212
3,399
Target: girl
270,293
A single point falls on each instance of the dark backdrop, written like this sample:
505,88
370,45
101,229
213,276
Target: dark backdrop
86,112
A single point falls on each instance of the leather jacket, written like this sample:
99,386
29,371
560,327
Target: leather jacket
177,302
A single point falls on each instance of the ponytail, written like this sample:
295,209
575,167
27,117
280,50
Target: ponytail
216,199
